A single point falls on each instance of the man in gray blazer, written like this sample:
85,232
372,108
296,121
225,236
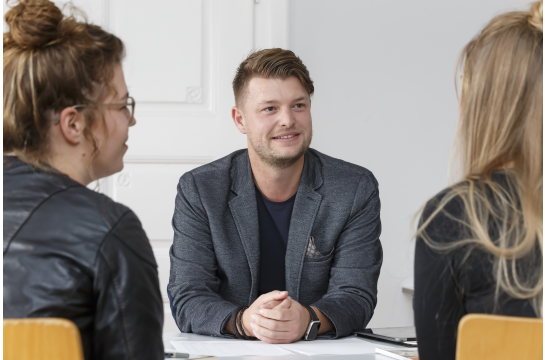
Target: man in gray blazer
278,241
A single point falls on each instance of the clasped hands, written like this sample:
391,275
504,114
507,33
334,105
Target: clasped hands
275,318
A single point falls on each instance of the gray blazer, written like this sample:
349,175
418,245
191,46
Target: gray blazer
215,255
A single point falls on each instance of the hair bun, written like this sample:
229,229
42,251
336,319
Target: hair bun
536,15
34,23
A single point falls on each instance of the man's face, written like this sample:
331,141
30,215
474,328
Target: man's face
275,115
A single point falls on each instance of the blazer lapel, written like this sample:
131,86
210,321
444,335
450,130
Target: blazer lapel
307,203
244,210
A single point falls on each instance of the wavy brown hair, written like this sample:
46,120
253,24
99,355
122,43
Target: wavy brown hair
51,61
501,127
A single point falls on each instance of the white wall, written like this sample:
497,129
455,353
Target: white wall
385,99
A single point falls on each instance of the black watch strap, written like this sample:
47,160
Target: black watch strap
314,326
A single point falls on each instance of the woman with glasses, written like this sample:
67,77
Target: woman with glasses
70,252
479,247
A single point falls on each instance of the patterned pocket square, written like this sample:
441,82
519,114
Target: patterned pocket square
312,252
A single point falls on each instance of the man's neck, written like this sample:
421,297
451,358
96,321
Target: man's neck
276,184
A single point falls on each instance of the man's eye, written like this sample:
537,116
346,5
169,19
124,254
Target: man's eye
270,108
299,106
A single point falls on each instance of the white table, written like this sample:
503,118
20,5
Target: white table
168,336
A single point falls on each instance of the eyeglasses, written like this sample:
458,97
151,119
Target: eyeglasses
127,108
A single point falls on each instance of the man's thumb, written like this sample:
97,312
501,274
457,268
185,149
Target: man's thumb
281,295
272,296
286,304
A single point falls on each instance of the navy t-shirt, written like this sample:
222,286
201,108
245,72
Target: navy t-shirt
274,227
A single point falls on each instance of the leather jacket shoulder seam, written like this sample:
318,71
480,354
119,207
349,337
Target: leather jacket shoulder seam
34,210
111,230
134,252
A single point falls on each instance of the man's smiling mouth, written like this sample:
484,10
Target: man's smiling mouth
286,136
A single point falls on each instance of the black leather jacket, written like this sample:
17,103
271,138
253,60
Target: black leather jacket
73,253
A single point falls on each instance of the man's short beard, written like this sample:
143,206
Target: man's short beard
277,161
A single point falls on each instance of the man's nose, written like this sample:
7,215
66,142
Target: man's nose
133,121
286,118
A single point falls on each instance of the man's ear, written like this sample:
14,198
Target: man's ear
238,119
72,124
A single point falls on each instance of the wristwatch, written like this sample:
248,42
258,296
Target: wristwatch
314,326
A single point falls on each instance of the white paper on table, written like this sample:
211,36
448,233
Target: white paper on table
348,346
229,348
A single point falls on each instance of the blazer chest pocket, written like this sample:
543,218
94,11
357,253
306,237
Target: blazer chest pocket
315,274
314,255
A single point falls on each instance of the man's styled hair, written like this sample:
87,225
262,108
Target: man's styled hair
270,63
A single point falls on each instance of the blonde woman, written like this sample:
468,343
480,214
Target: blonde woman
70,252
479,245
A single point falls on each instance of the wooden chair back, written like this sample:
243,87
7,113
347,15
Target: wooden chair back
41,338
494,337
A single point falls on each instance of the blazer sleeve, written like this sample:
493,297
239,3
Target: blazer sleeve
129,308
352,292
194,285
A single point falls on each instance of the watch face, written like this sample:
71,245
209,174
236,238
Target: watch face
313,331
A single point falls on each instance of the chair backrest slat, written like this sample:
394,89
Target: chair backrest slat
41,338
494,337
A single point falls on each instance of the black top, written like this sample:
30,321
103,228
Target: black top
447,287
274,227
72,253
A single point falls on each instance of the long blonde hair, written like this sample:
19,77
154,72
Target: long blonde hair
501,126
